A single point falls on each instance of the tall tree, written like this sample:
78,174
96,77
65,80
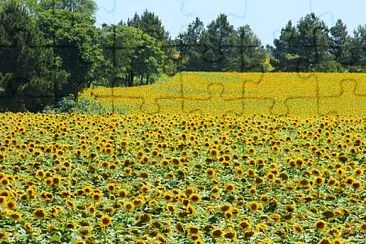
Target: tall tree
248,55
150,24
305,47
218,41
191,42
285,48
357,48
87,7
31,73
313,42
339,37
72,33
134,55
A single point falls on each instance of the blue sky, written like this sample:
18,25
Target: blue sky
265,17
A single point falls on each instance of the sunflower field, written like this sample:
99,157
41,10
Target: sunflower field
174,177
294,94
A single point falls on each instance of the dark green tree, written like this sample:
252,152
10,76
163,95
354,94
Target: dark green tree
339,38
31,73
134,55
285,48
313,43
305,47
87,7
247,55
357,50
72,33
150,24
191,45
218,43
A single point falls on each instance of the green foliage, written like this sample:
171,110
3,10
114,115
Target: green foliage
73,36
248,55
218,41
221,48
69,104
29,69
150,24
304,47
191,49
134,54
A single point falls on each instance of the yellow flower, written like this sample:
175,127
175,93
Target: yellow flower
195,198
244,224
11,204
39,213
230,234
129,206
210,172
363,227
230,187
216,233
105,221
254,206
297,228
193,230
320,225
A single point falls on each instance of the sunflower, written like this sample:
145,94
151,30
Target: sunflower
39,174
244,224
252,191
180,228
249,233
3,235
338,241
129,206
250,173
254,206
357,185
127,171
28,227
2,200
363,227
230,234
195,198
85,231
11,204
261,227
189,190
230,187
226,207
170,208
144,189
15,216
39,213
297,228
193,230
210,172
216,233
320,225
56,180
228,214
97,197
111,187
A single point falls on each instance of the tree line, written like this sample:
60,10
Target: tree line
52,48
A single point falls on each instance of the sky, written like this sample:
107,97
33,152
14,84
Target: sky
265,17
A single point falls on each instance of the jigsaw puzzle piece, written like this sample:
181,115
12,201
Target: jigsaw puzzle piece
274,89
346,102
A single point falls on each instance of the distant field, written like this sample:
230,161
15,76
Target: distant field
298,94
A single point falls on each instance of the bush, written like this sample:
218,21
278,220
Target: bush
69,104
